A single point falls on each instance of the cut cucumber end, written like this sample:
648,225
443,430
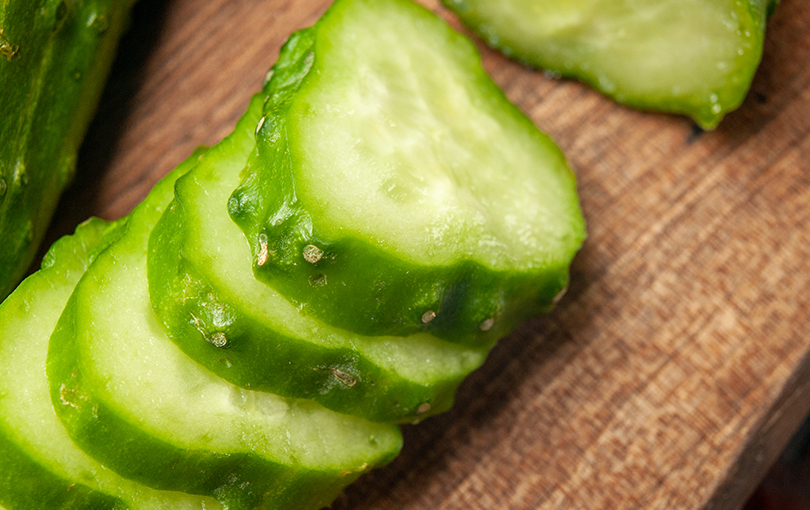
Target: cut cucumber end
41,466
131,399
692,57
408,195
214,309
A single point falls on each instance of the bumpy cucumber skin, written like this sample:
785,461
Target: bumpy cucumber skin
255,356
238,480
55,56
358,287
208,326
24,483
27,485
707,109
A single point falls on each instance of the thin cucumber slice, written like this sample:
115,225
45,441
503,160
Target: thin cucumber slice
693,57
131,399
397,190
242,330
40,467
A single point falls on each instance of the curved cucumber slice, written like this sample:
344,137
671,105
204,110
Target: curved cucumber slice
694,57
131,399
397,191
245,332
40,467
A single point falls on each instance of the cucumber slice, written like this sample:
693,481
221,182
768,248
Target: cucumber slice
40,467
242,330
397,190
131,399
693,57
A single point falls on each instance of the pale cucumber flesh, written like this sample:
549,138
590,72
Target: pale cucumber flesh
694,57
244,331
41,467
133,400
394,189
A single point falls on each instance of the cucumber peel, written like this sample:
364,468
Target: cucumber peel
54,58
195,384
245,332
132,400
692,57
40,467
394,189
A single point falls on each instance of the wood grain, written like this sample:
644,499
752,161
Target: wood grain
677,366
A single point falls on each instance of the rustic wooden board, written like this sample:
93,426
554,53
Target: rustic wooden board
678,364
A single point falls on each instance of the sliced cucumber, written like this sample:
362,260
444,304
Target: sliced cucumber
40,467
131,399
245,332
694,57
397,190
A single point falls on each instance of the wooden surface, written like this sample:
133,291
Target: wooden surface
677,366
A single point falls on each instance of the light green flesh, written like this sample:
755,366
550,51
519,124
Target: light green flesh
137,371
662,54
27,318
428,160
218,249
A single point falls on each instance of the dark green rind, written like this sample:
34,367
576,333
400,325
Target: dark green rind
239,481
256,356
87,399
359,287
40,466
54,58
24,482
204,315
729,90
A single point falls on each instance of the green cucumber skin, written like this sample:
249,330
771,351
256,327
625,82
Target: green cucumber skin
40,466
356,286
110,433
238,481
24,482
256,355
729,90
259,358
26,485
54,59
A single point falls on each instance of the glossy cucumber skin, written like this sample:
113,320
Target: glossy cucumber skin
208,322
40,466
229,462
255,356
54,58
353,284
238,480
26,483
583,46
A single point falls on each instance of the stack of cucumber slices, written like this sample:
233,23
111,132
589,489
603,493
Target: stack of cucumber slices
254,332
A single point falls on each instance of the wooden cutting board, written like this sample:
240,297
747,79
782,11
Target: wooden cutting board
677,366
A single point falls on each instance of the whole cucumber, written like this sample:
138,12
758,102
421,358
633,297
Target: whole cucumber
54,59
